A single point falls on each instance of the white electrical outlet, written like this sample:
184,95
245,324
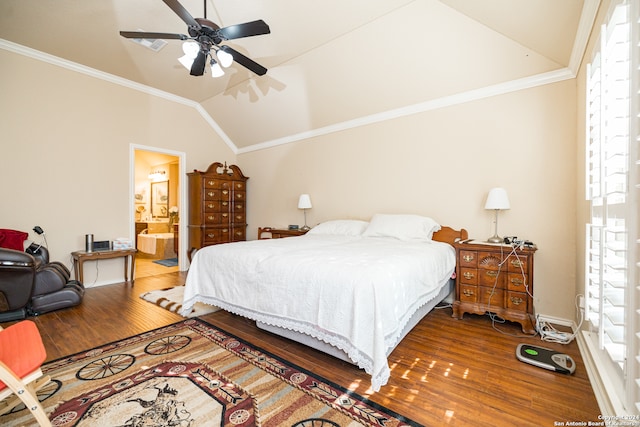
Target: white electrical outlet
581,301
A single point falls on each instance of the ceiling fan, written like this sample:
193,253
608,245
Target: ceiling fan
205,37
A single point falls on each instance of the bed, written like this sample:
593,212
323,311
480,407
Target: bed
350,288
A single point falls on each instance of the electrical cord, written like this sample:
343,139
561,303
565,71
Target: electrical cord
550,334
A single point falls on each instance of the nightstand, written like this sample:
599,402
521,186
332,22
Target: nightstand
495,278
278,233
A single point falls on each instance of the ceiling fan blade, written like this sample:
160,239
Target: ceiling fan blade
248,29
182,13
197,69
145,35
248,63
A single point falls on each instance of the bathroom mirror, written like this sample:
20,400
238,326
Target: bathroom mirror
160,199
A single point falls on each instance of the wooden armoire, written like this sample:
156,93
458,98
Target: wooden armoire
217,206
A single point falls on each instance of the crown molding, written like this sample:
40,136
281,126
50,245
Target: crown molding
585,26
446,101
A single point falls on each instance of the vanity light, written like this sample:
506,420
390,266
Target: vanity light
157,175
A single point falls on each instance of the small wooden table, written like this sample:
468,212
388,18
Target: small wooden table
79,258
279,233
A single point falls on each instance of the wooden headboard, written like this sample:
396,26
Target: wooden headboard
449,235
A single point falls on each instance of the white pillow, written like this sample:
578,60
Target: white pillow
403,227
340,227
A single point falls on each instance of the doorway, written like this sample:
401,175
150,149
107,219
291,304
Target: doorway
157,201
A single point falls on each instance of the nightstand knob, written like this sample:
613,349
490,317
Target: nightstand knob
516,300
468,293
492,273
211,193
467,275
211,235
224,215
468,258
516,263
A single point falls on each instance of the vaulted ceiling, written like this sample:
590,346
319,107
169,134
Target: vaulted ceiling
330,62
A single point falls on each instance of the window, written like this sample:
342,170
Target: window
612,263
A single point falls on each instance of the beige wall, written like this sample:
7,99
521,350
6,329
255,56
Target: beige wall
64,164
442,164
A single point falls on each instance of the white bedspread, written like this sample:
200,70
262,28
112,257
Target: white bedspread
355,293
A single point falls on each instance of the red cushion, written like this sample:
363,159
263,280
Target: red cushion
12,239
21,348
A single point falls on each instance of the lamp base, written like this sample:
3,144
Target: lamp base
495,239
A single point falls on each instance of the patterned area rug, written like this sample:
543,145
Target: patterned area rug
193,374
171,299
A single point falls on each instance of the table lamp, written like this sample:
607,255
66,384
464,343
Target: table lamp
497,200
304,203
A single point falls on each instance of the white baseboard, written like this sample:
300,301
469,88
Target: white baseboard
603,388
559,321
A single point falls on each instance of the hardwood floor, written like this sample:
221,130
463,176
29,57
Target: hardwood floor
445,372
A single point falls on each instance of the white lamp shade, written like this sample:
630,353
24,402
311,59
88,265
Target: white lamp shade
191,49
216,70
304,202
497,199
225,58
186,61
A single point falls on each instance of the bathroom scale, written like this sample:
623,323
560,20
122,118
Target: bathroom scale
546,358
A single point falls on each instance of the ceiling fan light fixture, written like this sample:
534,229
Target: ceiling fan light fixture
225,58
186,61
204,35
216,69
190,49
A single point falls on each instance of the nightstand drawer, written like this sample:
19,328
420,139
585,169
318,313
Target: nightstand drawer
517,264
468,259
468,293
516,282
491,278
517,301
469,276
491,296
